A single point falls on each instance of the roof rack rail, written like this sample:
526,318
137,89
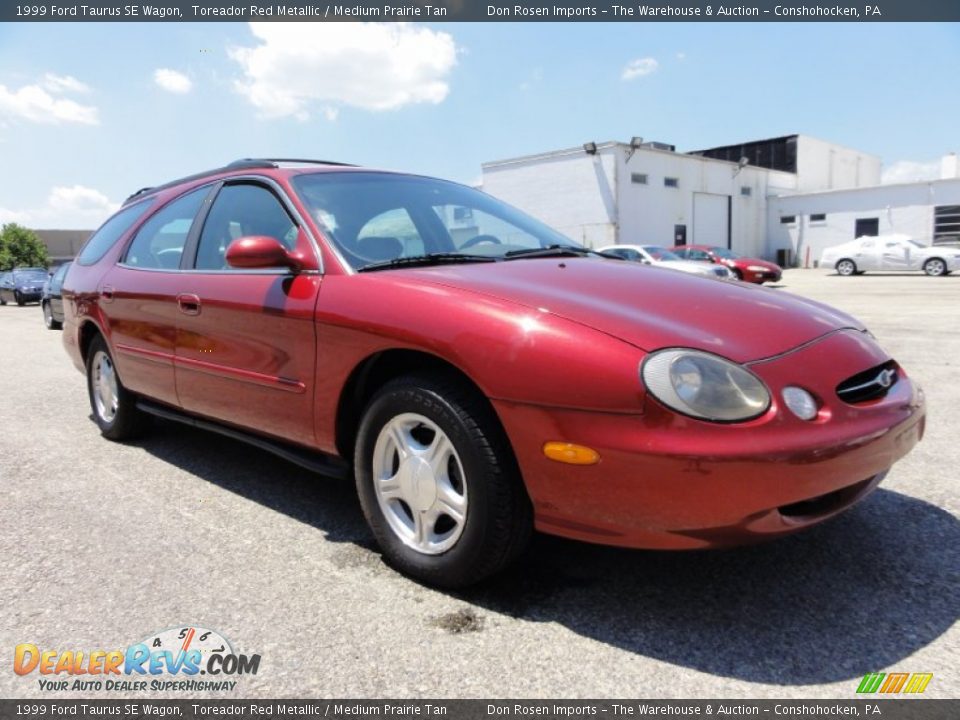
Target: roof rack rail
303,161
241,164
249,163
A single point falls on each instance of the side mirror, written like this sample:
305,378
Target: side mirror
261,251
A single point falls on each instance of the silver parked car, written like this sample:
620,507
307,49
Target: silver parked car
890,253
661,257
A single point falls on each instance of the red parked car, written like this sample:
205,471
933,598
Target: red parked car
477,373
748,269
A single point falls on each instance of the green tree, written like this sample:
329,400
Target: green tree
20,246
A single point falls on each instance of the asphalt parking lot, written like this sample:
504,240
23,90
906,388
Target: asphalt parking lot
102,544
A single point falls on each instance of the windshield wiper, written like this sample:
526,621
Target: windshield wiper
437,258
557,251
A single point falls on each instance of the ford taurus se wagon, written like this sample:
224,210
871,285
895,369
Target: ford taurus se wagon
478,374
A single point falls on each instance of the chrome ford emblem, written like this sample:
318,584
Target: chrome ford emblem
885,378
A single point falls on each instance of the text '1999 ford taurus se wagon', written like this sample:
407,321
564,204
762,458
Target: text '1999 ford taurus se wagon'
479,374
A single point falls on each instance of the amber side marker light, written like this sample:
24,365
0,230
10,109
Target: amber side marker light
570,453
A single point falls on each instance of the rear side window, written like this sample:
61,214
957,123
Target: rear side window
159,242
111,231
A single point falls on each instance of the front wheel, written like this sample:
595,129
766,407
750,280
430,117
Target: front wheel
846,268
935,267
438,482
18,298
48,318
114,407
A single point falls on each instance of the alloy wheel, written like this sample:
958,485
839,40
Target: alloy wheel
105,393
420,484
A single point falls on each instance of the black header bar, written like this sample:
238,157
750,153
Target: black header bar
484,11
882,709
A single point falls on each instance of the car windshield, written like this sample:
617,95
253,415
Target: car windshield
660,253
725,253
376,218
30,274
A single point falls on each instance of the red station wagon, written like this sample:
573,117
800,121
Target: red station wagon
477,373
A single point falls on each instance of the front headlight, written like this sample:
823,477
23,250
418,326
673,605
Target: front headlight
703,385
756,268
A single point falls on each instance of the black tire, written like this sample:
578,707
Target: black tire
737,274
935,267
847,267
19,299
498,520
2,301
126,421
48,317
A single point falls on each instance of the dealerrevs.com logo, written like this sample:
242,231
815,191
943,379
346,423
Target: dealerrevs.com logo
186,658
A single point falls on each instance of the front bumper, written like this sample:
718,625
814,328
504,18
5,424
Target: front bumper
761,277
666,481
29,295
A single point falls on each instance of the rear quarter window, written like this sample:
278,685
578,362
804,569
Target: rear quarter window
111,231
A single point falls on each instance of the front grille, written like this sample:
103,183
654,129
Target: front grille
868,385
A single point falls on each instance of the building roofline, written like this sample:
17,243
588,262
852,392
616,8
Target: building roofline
868,188
745,142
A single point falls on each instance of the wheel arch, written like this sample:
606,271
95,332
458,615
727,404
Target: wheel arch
87,332
374,371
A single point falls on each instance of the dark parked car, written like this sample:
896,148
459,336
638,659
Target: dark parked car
22,285
478,380
51,300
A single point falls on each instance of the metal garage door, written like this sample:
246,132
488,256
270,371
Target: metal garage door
711,219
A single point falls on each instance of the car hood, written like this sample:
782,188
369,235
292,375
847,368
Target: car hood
647,307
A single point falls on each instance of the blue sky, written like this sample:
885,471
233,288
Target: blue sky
91,112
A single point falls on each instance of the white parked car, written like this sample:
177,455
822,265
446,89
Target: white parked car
661,257
890,253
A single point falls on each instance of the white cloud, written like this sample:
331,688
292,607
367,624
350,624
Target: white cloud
63,84
76,206
639,68
172,81
905,171
365,65
35,102
681,56
12,216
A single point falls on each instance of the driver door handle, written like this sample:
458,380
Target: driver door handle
189,303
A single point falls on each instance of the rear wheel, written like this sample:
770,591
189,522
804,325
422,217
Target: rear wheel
438,483
114,407
846,267
935,267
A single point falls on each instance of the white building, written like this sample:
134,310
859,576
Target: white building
809,222
740,196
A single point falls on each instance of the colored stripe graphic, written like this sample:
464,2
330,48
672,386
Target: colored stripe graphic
870,682
918,683
894,683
